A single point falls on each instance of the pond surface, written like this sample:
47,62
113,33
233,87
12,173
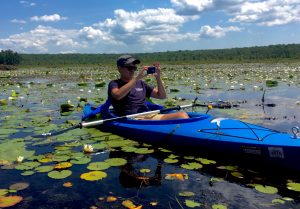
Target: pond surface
122,173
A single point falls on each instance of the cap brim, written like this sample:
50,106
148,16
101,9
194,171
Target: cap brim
132,61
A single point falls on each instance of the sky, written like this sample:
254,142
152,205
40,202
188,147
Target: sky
138,26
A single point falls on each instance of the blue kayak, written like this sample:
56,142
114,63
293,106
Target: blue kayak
219,135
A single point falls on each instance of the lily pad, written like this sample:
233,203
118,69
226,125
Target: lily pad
19,186
81,161
192,204
97,166
145,170
205,161
266,189
93,175
192,166
143,151
59,174
44,169
27,173
219,206
27,165
293,186
116,161
170,160
3,192
186,194
8,201
62,165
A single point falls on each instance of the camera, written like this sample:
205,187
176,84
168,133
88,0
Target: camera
151,70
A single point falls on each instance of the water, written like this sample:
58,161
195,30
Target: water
227,182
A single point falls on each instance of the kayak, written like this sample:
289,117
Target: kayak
202,132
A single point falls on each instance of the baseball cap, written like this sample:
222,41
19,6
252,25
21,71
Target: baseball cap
127,60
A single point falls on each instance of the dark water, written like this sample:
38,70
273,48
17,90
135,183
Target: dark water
37,110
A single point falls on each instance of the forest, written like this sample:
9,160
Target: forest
272,53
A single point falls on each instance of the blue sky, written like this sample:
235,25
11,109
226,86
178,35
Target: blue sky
135,26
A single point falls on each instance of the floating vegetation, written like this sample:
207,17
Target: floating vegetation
219,206
271,83
186,194
93,175
19,186
9,201
44,169
192,166
98,166
192,204
116,161
293,186
178,176
99,85
60,174
67,108
170,160
266,189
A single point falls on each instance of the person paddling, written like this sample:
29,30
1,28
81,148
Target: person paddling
128,93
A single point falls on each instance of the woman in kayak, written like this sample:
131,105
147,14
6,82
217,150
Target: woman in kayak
128,93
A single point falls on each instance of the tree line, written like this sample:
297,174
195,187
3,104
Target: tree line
288,52
9,57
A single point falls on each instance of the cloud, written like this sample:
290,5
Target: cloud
217,31
269,12
18,21
48,18
42,39
260,12
27,3
191,7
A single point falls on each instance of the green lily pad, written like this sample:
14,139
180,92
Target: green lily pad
3,192
170,160
116,161
192,204
237,175
192,166
206,161
143,151
80,161
266,189
27,165
59,174
10,150
293,186
97,166
145,170
186,194
280,201
219,206
27,173
44,169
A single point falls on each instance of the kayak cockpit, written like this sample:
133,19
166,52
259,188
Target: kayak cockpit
193,118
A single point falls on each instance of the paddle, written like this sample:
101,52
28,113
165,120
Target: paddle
99,122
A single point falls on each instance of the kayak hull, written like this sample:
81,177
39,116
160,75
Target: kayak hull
201,133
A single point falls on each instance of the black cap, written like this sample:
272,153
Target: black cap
127,60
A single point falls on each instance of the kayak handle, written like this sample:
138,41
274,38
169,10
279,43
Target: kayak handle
295,131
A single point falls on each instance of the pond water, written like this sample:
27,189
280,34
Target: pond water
122,173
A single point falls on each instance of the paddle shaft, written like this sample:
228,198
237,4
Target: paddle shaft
99,122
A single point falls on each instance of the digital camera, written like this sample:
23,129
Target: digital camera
151,70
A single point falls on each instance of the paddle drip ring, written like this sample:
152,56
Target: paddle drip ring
295,131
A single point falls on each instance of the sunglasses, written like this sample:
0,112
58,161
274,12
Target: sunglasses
131,68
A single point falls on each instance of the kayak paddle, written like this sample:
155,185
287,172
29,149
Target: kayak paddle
99,122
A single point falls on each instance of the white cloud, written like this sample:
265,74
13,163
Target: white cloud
269,12
42,39
27,3
191,7
217,31
48,18
18,21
